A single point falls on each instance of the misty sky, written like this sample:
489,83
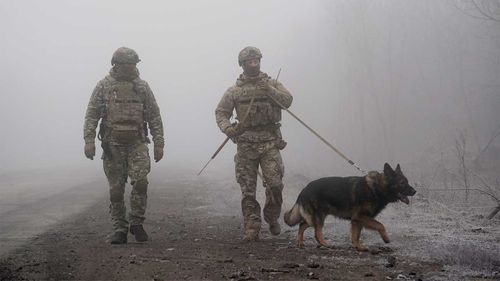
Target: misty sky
382,80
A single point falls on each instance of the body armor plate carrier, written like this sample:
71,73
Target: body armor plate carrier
263,113
124,122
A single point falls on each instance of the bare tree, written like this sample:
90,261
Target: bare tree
492,191
493,137
460,150
484,9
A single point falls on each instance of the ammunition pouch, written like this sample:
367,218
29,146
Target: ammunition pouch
261,112
281,144
125,134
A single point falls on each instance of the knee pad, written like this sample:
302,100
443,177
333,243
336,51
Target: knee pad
249,205
141,186
116,195
277,188
248,193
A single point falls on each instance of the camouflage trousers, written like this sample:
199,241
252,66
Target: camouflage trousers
127,162
248,158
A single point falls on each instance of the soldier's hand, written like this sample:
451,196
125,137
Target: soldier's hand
158,153
233,131
264,85
90,150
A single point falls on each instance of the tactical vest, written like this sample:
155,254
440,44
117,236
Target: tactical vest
124,114
263,112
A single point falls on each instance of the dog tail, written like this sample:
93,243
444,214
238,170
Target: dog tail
292,217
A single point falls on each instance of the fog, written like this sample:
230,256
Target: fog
383,81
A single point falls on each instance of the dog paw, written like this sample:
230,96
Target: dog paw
324,245
385,237
362,248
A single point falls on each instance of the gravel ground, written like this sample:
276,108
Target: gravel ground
195,229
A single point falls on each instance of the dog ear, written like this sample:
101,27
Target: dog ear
388,170
398,169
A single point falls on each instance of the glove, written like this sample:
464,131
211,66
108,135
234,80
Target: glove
233,131
264,85
158,153
90,150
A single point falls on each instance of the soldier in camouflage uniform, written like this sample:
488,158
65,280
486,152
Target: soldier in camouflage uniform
258,139
126,107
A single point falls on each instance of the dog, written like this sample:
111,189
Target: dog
358,199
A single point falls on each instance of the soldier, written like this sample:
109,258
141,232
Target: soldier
258,139
126,107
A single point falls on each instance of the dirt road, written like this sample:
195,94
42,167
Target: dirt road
194,225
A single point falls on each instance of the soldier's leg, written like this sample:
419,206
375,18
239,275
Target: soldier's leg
272,170
139,167
115,168
246,166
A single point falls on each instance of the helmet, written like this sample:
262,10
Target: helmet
124,55
249,53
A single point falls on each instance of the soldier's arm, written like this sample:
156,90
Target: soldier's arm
94,112
280,93
153,117
224,110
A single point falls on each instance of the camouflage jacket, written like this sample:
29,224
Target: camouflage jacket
96,110
261,112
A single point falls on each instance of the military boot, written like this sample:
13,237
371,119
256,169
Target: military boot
139,233
119,237
275,228
272,208
251,218
252,229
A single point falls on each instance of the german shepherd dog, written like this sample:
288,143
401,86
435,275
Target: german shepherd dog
358,199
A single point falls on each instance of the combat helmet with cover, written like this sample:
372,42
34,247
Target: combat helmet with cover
124,55
249,53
